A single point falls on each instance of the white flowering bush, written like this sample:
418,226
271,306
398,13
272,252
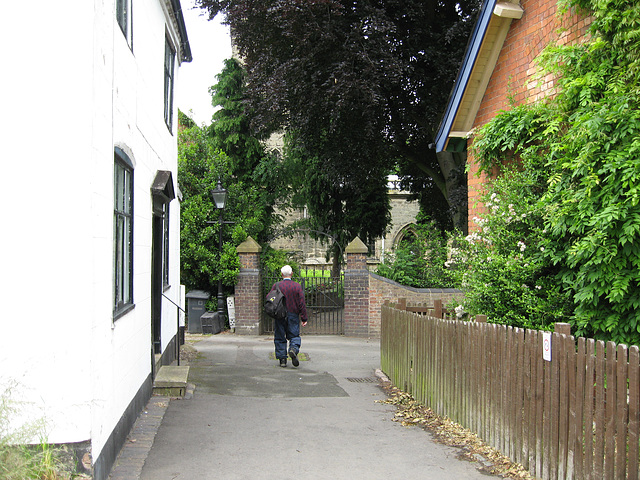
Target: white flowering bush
501,265
460,311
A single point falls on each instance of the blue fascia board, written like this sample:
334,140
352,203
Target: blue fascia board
470,56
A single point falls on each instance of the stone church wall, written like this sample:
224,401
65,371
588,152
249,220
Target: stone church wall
312,252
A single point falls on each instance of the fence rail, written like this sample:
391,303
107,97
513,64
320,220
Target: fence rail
574,417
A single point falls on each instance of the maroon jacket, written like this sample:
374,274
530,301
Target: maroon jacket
295,297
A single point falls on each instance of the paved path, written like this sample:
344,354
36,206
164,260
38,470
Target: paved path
250,419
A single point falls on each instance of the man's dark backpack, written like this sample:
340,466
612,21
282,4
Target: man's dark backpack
275,305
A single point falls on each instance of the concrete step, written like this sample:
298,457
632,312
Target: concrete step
171,381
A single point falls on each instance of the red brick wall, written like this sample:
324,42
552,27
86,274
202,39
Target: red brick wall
248,292
515,77
356,296
364,295
382,289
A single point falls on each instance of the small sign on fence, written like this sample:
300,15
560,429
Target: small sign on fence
546,346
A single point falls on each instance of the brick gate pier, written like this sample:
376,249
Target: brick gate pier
364,292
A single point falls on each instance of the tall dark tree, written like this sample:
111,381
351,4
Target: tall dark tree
359,85
339,208
230,130
251,165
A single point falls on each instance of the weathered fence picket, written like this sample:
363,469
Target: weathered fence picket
575,417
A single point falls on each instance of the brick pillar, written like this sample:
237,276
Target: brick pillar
356,290
249,289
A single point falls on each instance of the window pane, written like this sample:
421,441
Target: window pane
119,273
128,204
169,60
123,231
126,261
119,188
123,17
165,246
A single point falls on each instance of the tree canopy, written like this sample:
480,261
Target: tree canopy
199,168
227,151
358,86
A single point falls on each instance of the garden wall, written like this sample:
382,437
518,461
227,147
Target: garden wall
382,289
364,293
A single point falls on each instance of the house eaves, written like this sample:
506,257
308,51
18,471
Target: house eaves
178,19
478,64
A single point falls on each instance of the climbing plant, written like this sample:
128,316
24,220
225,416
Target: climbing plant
587,140
502,265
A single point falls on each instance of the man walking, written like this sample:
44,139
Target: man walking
289,328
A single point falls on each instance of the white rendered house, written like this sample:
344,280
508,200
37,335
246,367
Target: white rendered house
89,242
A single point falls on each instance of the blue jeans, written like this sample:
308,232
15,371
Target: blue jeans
287,329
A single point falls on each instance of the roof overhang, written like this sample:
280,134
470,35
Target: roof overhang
178,20
479,61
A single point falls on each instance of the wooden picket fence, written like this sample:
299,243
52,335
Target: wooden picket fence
574,417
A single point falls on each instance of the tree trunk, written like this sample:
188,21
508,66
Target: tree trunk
336,267
452,166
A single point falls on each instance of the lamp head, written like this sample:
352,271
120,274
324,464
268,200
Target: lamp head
219,195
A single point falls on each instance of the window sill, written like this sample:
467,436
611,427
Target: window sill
122,311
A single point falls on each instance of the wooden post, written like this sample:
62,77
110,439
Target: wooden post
562,328
437,307
402,304
481,318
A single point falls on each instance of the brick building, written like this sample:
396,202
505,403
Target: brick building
500,70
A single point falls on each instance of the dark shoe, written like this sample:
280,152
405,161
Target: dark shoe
283,362
294,358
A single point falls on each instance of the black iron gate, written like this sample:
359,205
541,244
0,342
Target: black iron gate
324,296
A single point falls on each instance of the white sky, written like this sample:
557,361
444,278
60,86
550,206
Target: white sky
210,46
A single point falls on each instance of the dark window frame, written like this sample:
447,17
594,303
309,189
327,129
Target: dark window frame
122,234
169,80
165,248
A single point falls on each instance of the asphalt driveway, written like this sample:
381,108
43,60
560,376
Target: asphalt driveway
250,419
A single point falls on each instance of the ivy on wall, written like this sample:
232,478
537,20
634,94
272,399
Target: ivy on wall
574,159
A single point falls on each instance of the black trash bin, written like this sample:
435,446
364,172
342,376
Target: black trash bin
196,301
212,322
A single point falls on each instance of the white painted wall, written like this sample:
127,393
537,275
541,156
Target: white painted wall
72,91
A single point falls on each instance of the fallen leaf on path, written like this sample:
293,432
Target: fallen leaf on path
410,414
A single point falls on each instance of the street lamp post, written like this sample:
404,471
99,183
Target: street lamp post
219,195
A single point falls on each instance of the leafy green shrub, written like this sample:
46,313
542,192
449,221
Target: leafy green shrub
273,260
419,259
199,168
502,267
583,249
